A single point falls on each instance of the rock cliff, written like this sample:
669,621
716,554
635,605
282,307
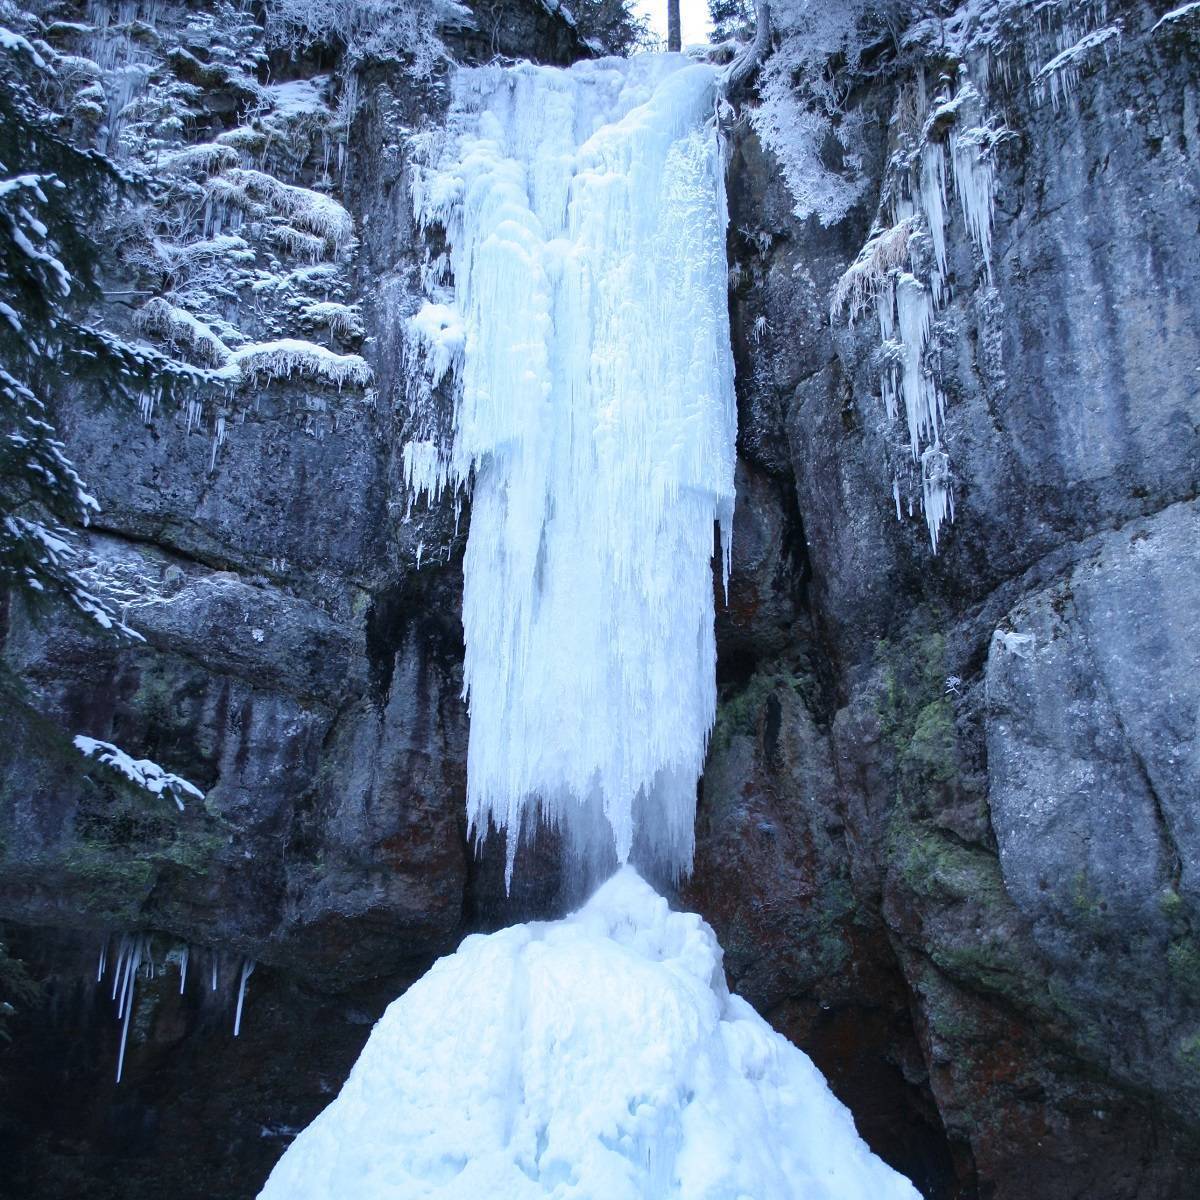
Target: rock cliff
948,832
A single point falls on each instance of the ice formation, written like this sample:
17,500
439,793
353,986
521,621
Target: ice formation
135,957
1060,75
290,356
912,217
313,213
585,216
599,1056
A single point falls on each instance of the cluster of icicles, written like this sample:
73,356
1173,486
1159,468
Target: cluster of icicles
587,335
883,277
133,955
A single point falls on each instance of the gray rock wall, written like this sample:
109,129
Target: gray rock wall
1001,863
947,833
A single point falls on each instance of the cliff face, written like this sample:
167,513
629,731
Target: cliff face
962,789
947,833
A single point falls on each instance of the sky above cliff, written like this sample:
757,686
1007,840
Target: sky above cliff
693,15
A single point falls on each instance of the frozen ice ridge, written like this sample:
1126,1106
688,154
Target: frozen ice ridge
584,211
599,1057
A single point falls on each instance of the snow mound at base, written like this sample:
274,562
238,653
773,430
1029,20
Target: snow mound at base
600,1057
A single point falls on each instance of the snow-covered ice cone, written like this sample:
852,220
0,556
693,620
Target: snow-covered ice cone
599,1057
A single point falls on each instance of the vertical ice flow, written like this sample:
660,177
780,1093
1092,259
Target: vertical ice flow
585,217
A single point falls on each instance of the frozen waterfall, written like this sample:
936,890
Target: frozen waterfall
587,329
600,1057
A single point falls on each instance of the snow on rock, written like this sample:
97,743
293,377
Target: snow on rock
227,248
1060,75
291,356
862,284
299,96
342,320
403,29
439,333
205,158
140,771
585,215
180,328
313,212
599,1057
14,43
1186,12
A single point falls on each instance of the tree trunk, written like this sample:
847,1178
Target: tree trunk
748,61
674,37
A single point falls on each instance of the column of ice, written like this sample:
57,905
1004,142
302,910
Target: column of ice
585,215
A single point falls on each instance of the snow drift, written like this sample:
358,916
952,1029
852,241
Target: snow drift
599,1057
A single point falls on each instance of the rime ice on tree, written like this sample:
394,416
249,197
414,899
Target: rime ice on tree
585,216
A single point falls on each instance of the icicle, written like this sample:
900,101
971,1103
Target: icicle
936,490
183,966
123,947
103,960
127,996
974,181
214,971
218,441
195,411
922,402
247,970
933,204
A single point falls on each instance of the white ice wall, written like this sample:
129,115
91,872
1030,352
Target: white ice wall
585,215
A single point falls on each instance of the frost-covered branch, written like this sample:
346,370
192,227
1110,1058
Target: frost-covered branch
746,63
369,28
139,771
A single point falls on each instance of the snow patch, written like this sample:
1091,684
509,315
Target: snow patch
180,328
291,356
1178,14
439,334
1060,76
312,212
140,771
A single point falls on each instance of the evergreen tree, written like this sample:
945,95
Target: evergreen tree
731,18
52,199
612,23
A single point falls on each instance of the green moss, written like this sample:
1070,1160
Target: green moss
835,906
1188,1051
916,716
1060,999
1088,902
931,751
949,1019
1183,960
990,965
740,714
935,864
125,840
914,675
